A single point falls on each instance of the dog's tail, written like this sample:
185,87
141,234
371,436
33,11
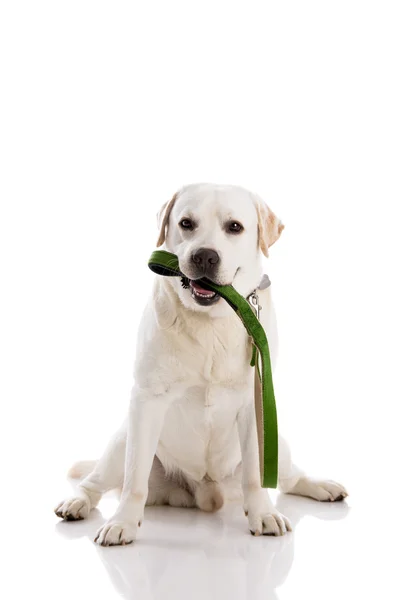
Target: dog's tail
81,469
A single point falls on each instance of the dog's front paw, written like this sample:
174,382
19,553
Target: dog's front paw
114,533
268,523
263,518
73,509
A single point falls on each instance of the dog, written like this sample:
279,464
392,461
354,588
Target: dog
190,437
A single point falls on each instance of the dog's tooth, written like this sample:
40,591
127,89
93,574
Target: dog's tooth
206,296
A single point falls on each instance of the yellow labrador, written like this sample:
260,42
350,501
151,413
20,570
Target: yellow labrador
190,436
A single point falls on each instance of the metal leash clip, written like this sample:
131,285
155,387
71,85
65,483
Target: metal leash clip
253,300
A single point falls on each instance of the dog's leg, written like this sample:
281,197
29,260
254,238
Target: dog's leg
264,519
145,421
293,481
108,473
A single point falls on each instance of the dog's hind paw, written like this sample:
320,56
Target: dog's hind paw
322,490
73,509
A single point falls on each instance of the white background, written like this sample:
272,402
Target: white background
106,109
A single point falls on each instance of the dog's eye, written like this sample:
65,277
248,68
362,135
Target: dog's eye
234,227
186,224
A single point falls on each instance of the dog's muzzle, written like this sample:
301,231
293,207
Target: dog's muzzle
205,262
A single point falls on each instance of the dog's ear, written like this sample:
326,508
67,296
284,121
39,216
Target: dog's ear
269,227
163,218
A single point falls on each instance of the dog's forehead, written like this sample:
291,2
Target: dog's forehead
224,201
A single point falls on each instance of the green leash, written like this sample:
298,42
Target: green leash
165,263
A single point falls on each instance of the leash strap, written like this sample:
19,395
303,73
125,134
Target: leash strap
167,264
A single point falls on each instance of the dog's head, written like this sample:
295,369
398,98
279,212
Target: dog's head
218,232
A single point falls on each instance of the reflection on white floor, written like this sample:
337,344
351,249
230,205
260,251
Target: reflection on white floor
184,553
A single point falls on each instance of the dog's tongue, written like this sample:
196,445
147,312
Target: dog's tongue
198,287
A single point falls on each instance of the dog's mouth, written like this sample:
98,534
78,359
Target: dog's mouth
199,293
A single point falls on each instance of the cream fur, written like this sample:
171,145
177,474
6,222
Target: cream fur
190,436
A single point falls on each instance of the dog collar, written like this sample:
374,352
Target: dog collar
265,282
167,264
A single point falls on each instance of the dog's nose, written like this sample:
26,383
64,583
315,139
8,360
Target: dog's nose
206,259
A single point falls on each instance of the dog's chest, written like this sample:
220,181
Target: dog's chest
216,381
220,353
200,434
